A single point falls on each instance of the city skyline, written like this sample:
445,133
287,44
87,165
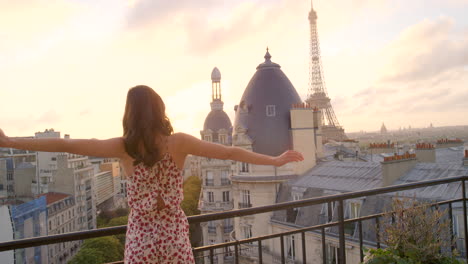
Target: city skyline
72,67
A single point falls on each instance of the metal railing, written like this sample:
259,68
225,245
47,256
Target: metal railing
244,205
301,232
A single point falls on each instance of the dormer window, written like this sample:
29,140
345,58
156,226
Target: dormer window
222,139
271,110
207,138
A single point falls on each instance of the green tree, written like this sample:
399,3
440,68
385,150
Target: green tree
192,188
88,256
414,233
118,221
99,250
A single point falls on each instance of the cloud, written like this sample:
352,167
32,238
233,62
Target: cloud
425,50
145,12
30,122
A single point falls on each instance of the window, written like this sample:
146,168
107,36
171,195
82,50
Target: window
212,227
332,254
244,167
210,197
228,227
209,178
222,139
207,138
247,231
245,199
226,196
458,227
225,177
355,208
327,211
227,250
10,176
291,247
270,110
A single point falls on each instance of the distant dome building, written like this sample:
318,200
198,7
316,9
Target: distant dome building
264,109
217,127
216,174
383,129
270,119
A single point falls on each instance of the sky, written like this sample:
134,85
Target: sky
68,64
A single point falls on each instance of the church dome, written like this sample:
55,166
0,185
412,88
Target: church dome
264,109
216,120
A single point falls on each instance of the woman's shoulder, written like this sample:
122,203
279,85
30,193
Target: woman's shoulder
175,140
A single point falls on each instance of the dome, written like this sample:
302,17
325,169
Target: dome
268,88
215,75
216,120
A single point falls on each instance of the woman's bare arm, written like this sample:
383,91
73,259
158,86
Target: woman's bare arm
108,148
192,145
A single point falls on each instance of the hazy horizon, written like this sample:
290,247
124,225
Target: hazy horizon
68,64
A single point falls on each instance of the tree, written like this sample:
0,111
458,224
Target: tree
123,220
414,233
192,188
99,250
88,256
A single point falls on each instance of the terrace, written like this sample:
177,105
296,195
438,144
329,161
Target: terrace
255,250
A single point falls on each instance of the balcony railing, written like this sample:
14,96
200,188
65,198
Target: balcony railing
245,205
209,182
209,252
225,182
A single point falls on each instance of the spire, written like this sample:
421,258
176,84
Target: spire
268,62
267,56
216,102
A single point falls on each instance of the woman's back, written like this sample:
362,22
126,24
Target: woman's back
157,227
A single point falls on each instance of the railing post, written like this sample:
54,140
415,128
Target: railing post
377,233
324,249
341,252
452,236
304,257
236,253
211,256
283,259
260,257
464,219
361,247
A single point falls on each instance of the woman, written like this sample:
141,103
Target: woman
153,157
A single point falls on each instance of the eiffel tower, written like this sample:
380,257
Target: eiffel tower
317,94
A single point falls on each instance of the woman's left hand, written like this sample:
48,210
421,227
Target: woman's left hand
288,156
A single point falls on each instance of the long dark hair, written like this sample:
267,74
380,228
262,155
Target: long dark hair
144,121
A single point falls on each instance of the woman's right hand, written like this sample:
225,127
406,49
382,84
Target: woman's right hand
288,156
3,139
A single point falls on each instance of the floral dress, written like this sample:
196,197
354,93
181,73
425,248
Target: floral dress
157,235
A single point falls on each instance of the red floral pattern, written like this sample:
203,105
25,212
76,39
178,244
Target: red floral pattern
157,236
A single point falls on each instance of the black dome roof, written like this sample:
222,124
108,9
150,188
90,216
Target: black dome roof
216,120
268,86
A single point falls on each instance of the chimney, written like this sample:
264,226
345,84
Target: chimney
449,143
465,159
395,166
303,136
425,152
66,136
378,148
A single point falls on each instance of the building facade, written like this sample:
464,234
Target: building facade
216,184
61,212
